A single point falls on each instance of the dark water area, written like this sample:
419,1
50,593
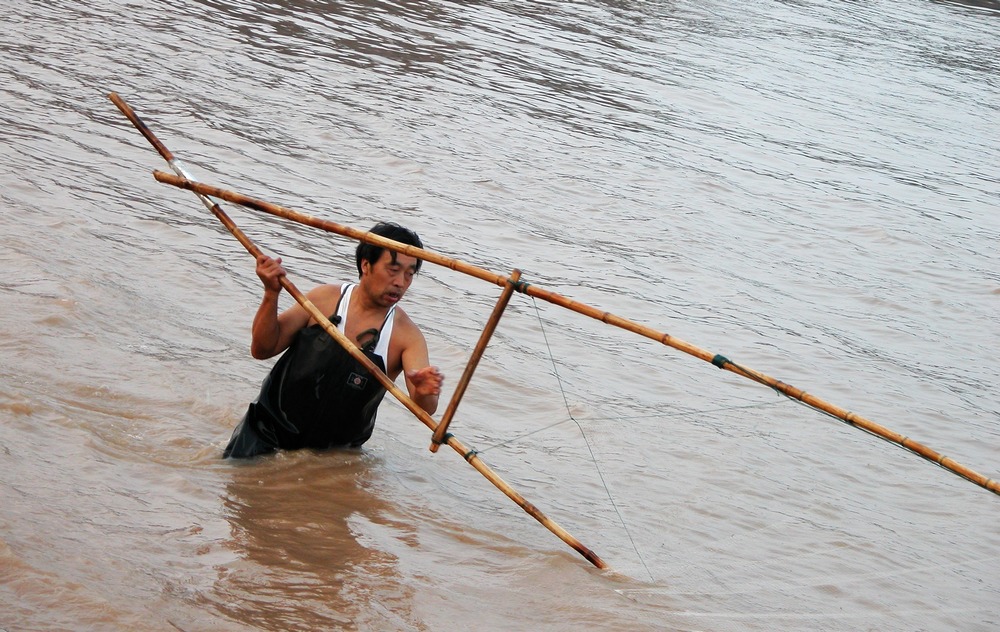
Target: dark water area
809,189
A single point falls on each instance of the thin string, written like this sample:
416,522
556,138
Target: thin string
684,413
593,457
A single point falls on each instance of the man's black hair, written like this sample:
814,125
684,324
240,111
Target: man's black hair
389,230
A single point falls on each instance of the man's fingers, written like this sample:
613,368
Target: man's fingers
426,376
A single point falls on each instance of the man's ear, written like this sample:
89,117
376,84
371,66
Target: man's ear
366,267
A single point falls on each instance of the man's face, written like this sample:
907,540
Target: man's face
388,279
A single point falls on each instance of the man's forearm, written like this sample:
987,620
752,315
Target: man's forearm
428,402
266,330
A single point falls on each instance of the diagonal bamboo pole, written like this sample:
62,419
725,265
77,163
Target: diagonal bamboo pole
469,455
607,317
477,354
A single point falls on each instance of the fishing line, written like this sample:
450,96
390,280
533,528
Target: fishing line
586,441
657,415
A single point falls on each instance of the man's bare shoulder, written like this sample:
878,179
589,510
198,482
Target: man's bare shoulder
406,328
327,289
402,319
325,297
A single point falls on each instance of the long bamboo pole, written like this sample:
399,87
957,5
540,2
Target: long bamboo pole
469,455
607,317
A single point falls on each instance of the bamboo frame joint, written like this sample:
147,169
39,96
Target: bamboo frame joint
519,286
443,440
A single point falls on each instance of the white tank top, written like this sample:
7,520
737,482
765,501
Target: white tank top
384,336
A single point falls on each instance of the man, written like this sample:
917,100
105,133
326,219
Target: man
317,395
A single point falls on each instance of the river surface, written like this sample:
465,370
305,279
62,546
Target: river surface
811,189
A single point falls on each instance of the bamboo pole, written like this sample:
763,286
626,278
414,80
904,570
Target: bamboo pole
477,354
607,317
469,455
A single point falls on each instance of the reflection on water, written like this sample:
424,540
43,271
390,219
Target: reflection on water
295,525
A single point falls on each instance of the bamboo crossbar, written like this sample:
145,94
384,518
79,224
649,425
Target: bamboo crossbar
477,354
469,455
606,317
